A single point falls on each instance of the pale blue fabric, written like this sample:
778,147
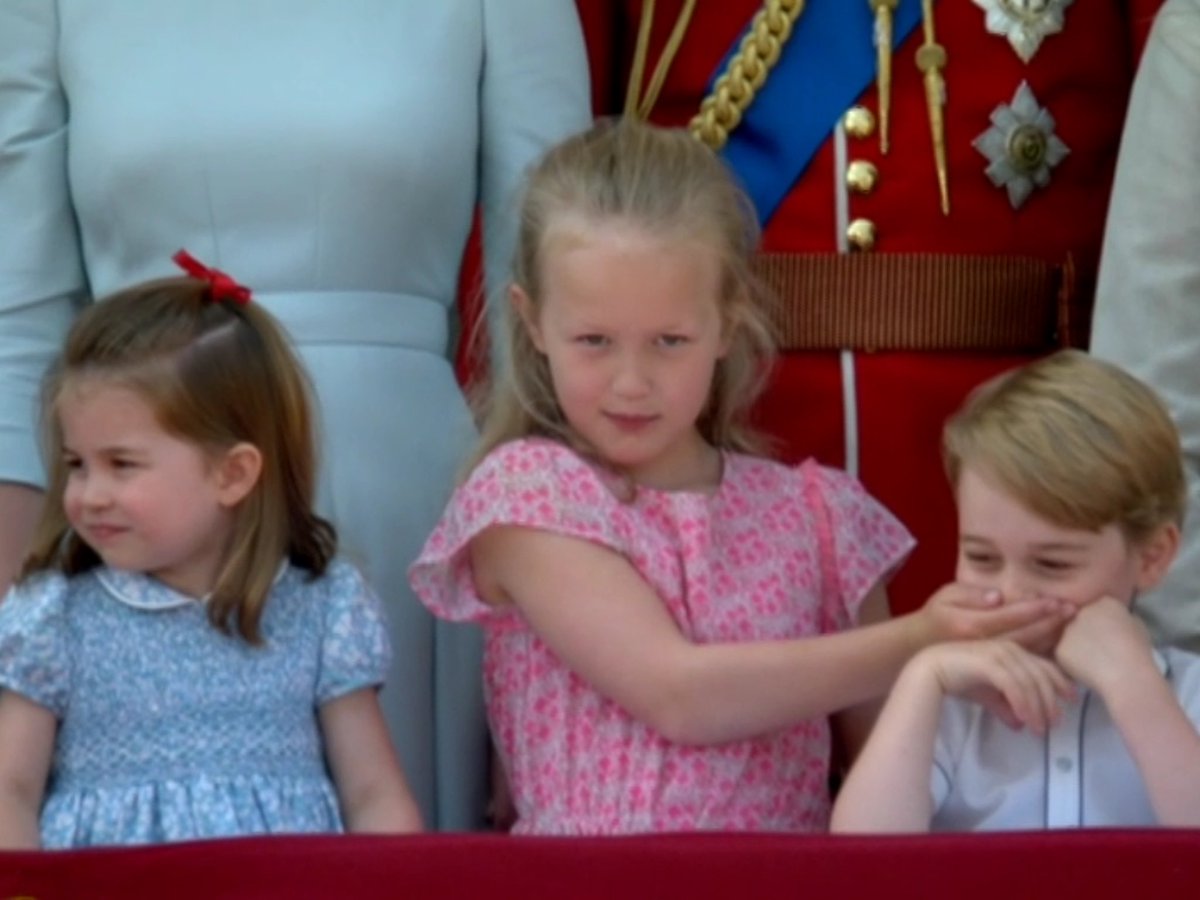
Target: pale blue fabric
171,730
1147,317
330,154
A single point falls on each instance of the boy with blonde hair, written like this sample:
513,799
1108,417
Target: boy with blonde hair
1069,483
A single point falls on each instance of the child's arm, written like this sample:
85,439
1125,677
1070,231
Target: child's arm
27,733
371,787
888,788
853,725
612,629
1105,648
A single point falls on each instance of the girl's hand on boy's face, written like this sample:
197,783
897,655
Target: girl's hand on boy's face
1103,644
959,611
1042,635
1022,689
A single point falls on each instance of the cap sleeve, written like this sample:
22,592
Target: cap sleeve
355,650
532,483
34,657
861,542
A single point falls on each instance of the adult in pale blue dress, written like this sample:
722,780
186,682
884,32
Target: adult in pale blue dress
330,154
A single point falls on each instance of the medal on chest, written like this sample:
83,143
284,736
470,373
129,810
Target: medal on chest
1025,23
1021,146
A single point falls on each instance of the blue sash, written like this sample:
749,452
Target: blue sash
825,66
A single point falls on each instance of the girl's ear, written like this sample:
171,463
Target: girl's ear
1156,555
731,320
237,472
523,306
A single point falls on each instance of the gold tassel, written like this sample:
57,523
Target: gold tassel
641,107
931,60
884,10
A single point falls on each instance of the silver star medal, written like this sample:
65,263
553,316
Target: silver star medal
1024,22
1021,147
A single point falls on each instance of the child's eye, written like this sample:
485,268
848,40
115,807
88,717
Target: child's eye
591,340
673,340
72,463
122,463
982,560
1055,566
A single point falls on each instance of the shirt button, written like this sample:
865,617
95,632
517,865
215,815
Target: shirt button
1064,763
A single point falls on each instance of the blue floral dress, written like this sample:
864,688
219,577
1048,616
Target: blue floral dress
170,730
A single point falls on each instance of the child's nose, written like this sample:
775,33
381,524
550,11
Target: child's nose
1015,585
95,492
632,376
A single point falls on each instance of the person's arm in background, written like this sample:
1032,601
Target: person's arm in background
535,93
41,275
1147,316
1141,15
20,506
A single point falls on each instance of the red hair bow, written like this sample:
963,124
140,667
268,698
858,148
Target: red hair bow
220,285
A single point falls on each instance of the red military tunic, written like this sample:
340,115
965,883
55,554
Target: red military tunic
879,410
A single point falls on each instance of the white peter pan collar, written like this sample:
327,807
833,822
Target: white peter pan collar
141,591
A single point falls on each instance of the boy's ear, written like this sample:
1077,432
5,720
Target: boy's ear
523,306
237,472
1156,555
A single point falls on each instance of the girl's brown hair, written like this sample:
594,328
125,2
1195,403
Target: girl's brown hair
665,182
216,374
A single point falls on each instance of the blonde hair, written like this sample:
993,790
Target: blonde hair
216,374
1078,441
662,180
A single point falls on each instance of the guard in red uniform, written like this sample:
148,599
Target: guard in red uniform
932,215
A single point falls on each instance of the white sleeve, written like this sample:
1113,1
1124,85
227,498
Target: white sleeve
41,275
1147,316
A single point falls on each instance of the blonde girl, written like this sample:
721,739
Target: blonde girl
668,614
183,656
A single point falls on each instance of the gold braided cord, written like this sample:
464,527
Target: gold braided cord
640,52
734,90
641,107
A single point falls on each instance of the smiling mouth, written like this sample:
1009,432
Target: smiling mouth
104,532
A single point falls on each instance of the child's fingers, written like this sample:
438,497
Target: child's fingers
962,612
1040,635
1052,685
969,597
1034,687
1012,618
997,704
1020,689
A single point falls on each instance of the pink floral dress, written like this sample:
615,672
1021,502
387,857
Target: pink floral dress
775,552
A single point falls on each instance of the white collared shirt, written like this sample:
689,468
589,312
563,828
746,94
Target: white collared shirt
989,777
